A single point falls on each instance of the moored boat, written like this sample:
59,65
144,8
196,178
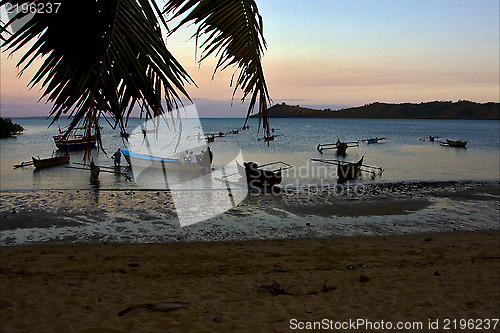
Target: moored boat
339,146
374,140
457,143
352,170
349,170
154,162
41,163
258,178
74,141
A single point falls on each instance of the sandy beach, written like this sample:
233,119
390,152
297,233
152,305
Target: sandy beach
252,286
421,254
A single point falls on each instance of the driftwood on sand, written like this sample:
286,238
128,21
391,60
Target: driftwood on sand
160,306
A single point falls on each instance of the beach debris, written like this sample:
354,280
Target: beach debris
160,306
363,278
217,318
276,289
326,288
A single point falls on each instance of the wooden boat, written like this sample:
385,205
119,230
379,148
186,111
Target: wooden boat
40,163
258,178
74,140
457,143
154,162
340,146
374,140
349,170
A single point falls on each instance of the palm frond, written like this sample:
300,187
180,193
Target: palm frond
234,33
100,58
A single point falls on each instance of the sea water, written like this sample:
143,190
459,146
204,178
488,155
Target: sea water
402,156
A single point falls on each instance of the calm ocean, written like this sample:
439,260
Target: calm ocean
402,156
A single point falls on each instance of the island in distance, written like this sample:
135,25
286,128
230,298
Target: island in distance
424,110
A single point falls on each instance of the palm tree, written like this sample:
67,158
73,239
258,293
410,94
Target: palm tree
101,58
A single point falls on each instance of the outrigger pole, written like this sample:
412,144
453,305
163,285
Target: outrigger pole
339,162
115,172
288,166
320,148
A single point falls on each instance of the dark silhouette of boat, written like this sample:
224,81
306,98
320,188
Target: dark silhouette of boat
41,163
349,170
457,143
339,146
73,140
258,178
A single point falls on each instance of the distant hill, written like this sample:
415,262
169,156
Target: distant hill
428,110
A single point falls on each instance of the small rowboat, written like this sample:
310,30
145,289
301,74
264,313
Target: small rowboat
258,178
457,143
154,162
40,163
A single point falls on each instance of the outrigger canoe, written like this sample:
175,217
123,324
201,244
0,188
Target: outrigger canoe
349,170
40,163
352,170
258,178
340,146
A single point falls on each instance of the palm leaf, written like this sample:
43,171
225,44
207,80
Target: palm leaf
100,58
234,33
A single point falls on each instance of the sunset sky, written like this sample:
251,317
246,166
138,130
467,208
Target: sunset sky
333,54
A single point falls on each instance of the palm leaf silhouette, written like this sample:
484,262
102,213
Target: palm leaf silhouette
104,57
234,32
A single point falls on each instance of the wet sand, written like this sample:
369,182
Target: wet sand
252,286
87,216
416,252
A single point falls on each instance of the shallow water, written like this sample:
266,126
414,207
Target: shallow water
402,156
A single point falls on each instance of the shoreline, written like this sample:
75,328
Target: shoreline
288,188
251,285
89,216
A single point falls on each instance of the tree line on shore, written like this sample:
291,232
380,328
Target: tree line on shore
8,128
428,110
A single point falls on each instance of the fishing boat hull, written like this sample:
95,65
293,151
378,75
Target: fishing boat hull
257,178
50,162
74,142
153,162
457,144
348,171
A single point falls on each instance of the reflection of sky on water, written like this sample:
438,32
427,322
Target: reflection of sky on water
403,156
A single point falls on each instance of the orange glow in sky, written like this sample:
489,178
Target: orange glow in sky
344,53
